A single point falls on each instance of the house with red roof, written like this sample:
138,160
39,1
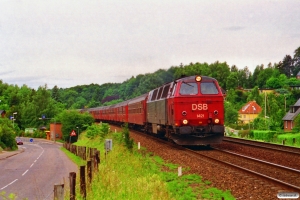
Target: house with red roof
249,112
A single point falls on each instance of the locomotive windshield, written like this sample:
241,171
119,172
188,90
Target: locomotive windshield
188,88
209,88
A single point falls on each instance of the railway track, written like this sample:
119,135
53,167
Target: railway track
277,174
277,147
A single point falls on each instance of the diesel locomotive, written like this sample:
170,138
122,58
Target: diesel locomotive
188,111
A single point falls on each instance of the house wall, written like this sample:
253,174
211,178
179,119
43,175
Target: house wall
288,125
246,118
56,128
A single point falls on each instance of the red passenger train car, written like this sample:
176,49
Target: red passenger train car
189,111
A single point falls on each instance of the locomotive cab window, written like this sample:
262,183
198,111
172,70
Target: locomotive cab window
154,95
209,88
166,91
188,88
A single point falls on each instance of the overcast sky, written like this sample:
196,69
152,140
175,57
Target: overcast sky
72,42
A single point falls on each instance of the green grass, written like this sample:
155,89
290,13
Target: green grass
289,137
137,174
77,160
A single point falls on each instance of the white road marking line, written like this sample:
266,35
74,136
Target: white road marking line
25,172
41,154
9,184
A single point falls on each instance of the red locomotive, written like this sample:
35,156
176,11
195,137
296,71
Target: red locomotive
189,111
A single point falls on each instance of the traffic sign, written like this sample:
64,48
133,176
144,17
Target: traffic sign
73,133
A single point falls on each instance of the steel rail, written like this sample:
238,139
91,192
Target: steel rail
264,145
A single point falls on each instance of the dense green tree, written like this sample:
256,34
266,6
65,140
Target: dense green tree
277,81
234,68
231,114
263,76
296,61
286,66
220,71
273,83
72,119
254,95
150,82
292,82
243,78
55,93
7,135
232,81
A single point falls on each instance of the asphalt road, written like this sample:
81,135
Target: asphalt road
32,173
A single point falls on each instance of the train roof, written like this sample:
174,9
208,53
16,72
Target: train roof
192,78
138,99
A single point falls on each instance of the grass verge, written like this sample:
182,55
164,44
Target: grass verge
137,174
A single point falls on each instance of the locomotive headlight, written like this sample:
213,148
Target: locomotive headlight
217,121
198,78
185,121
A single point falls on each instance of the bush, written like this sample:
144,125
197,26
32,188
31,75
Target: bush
266,136
7,136
8,141
244,133
127,140
2,146
38,134
94,130
289,137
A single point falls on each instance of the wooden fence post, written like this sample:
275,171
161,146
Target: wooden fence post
59,192
96,160
89,170
82,182
72,185
84,153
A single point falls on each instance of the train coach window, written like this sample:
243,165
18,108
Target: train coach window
188,88
209,88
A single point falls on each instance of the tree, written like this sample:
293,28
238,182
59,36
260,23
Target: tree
296,61
232,81
220,71
263,76
231,114
72,119
254,95
286,66
7,135
55,93
234,68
